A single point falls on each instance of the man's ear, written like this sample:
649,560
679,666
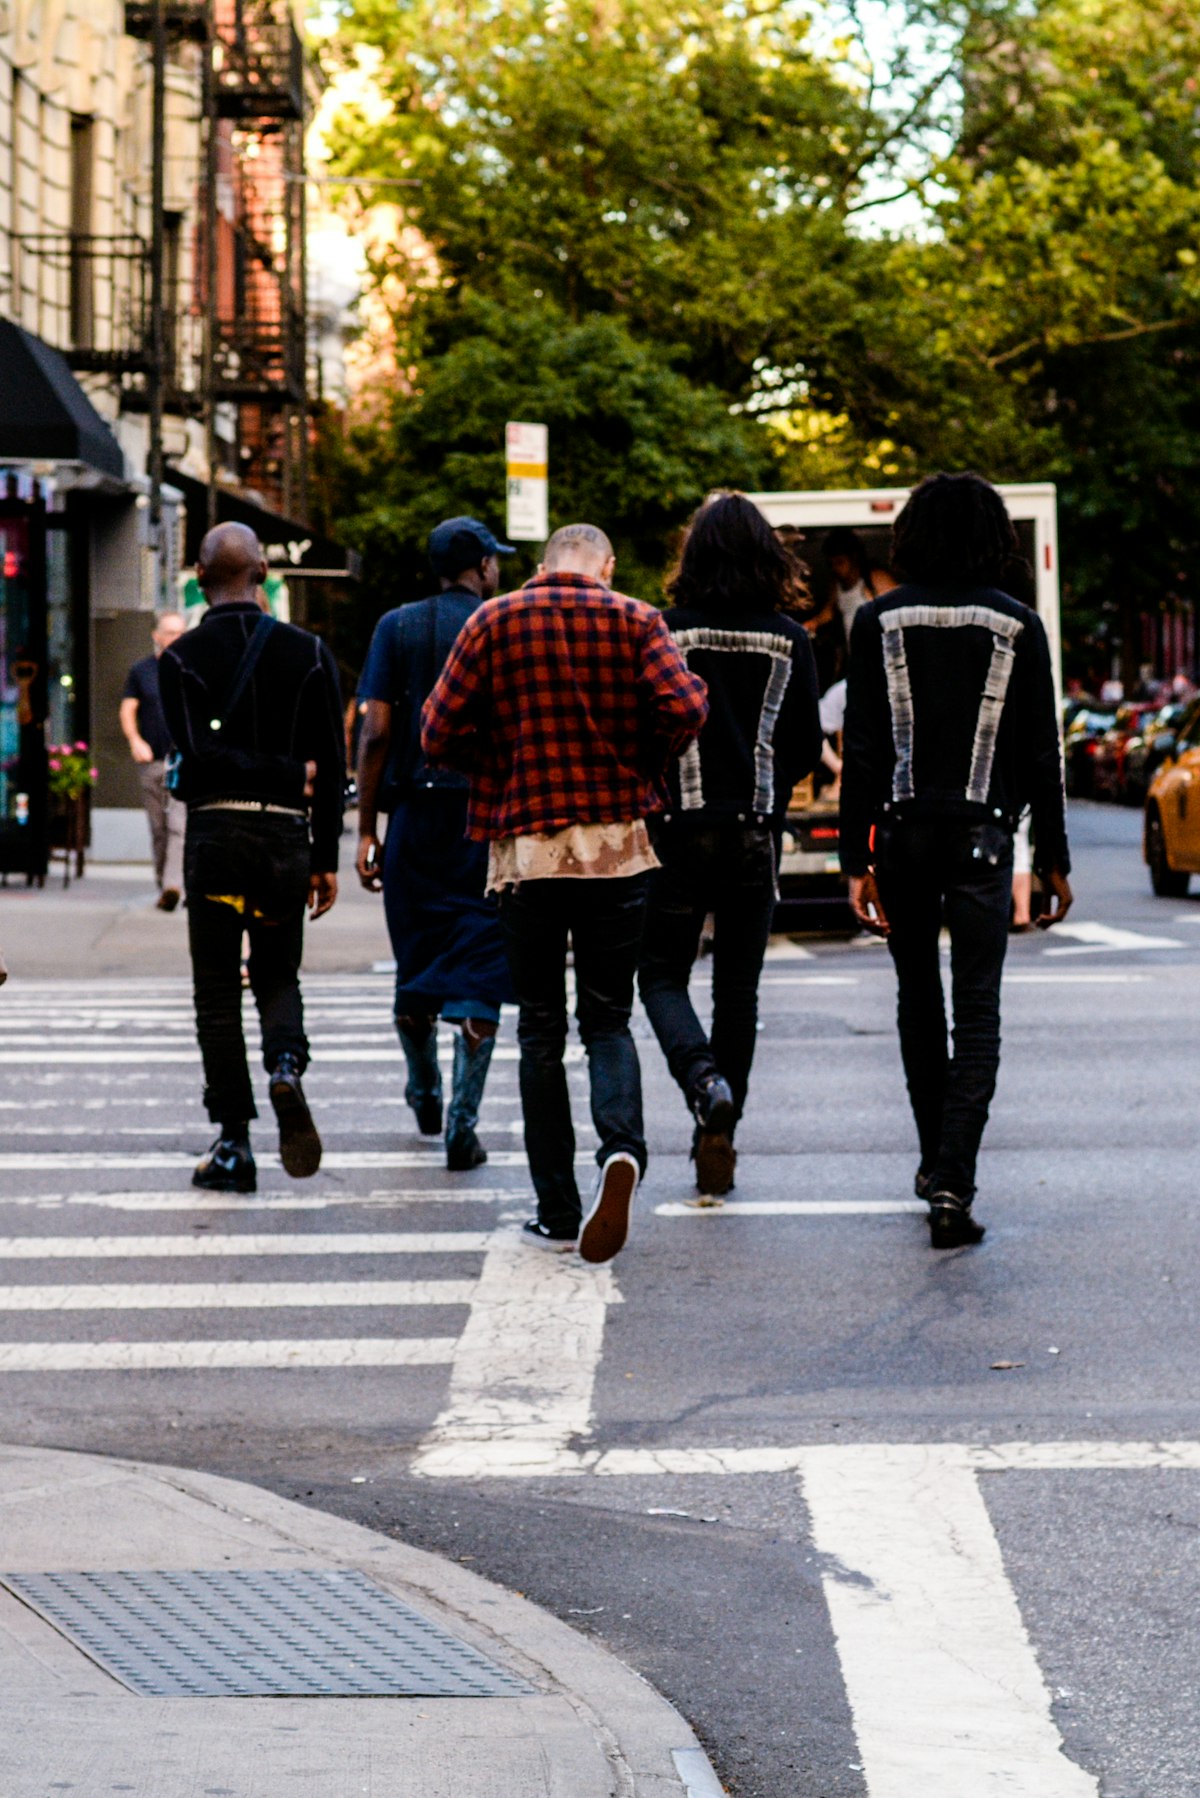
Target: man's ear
262,573
541,568
606,573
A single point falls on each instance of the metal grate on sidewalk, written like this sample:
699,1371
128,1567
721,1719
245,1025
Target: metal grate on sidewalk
300,1633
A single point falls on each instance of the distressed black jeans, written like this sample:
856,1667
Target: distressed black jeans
935,872
603,920
245,872
728,870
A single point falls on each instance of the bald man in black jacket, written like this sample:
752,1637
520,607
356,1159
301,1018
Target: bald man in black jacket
254,711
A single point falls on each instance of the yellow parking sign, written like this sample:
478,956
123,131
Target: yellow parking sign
526,449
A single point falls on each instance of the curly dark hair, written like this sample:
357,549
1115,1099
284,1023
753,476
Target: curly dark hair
955,530
731,560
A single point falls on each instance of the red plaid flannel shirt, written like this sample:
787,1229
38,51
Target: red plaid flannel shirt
563,703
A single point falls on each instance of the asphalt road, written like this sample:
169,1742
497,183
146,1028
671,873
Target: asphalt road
764,1454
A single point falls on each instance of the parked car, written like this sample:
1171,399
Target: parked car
1150,746
1171,839
1110,758
1081,743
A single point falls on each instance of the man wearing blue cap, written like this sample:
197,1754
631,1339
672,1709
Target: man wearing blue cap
445,933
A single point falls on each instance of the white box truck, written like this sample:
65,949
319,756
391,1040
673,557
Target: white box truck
812,887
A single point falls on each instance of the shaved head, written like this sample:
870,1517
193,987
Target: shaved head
231,564
579,549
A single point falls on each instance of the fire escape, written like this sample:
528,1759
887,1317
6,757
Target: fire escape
249,287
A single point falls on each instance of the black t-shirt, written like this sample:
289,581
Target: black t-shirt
407,654
142,685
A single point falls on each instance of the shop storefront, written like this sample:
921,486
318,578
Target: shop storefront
69,532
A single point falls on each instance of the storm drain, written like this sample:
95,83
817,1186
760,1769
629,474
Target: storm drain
303,1633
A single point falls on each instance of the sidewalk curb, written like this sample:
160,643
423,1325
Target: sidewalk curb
652,1752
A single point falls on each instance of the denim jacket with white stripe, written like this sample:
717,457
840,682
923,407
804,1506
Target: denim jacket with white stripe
950,711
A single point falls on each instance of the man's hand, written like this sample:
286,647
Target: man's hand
368,863
1058,890
866,905
140,750
322,891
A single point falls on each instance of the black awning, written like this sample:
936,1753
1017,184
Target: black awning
291,548
44,413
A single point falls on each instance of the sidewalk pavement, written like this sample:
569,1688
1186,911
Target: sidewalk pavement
588,1727
108,925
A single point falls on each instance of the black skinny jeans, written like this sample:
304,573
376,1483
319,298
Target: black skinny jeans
930,871
728,870
603,919
263,861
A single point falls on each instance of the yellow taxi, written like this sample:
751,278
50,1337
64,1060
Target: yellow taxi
1171,842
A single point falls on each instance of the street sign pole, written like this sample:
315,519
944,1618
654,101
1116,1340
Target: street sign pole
527,469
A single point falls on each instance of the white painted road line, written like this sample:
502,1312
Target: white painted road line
123,1357
235,1204
773,980
1108,936
1076,979
105,1057
127,1248
252,1295
796,1208
945,1691
524,1367
55,1161
1004,1457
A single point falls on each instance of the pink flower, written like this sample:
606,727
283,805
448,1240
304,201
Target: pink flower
55,764
92,773
82,747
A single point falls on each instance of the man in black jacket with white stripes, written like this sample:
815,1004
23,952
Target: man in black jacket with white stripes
255,714
951,733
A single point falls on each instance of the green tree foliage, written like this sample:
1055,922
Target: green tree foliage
689,168
635,444
1048,326
693,187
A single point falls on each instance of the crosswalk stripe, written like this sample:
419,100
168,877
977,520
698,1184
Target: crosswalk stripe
235,1204
794,1208
253,1295
153,1052
945,1690
60,1160
524,1367
101,1248
281,1354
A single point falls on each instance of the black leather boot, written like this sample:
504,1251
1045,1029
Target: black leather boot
299,1143
712,1145
229,1165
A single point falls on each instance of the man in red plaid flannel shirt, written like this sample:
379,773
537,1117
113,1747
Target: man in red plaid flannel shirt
564,703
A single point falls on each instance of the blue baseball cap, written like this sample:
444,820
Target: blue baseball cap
459,543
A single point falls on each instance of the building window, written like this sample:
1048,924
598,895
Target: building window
83,298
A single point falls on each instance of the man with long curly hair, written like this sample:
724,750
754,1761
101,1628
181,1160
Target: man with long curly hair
951,732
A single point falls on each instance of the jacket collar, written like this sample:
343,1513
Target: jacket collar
582,583
238,608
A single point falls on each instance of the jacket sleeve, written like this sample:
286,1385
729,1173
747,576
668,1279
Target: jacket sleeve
170,691
324,732
455,713
799,736
867,749
1040,754
674,700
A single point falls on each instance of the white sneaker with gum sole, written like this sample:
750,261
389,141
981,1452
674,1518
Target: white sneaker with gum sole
606,1226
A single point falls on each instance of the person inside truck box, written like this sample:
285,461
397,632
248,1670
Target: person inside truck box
855,579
